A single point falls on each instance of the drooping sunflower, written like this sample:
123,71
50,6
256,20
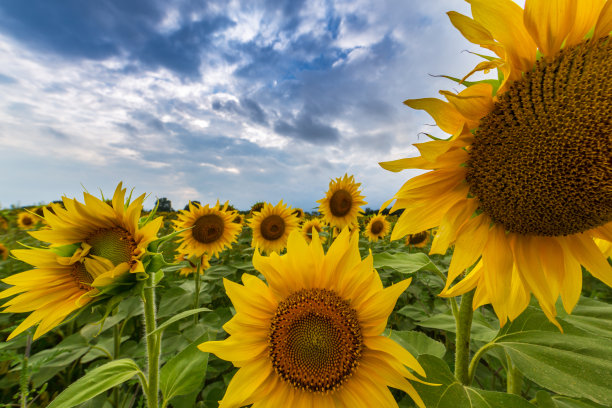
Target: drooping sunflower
342,203
271,227
211,229
193,267
298,213
378,227
418,240
26,220
308,227
106,243
312,336
3,252
257,207
524,183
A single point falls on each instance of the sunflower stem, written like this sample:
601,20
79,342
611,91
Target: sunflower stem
24,377
514,378
196,295
116,347
462,346
153,343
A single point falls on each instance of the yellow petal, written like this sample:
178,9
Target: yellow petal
504,20
386,345
549,22
409,163
604,22
445,115
497,262
474,32
587,253
382,303
587,13
244,383
247,301
450,224
571,286
471,240
474,102
236,348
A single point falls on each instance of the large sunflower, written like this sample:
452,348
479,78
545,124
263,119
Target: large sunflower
109,243
378,227
271,227
342,203
210,229
525,181
312,336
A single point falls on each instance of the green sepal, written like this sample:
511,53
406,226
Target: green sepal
155,245
143,221
66,251
154,262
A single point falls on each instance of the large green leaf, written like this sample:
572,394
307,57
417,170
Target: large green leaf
568,364
95,382
418,343
185,372
404,262
176,318
452,394
545,400
590,316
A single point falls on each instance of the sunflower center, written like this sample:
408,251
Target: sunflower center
272,227
340,203
114,244
27,220
315,340
377,227
81,276
415,239
541,161
208,228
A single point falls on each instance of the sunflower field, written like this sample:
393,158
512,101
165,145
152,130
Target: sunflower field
487,283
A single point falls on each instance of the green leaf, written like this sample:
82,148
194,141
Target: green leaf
590,316
95,382
404,262
481,329
418,343
452,394
65,250
544,400
185,372
564,402
178,317
568,364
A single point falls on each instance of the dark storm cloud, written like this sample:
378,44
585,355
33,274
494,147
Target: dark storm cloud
107,28
307,128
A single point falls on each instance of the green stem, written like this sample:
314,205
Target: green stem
116,348
514,377
476,360
462,347
196,295
24,377
153,343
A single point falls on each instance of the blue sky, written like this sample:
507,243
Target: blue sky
237,100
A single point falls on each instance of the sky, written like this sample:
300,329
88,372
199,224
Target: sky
239,100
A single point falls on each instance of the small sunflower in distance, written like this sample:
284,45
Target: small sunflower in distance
524,184
271,227
3,252
3,223
238,219
26,220
309,339
93,247
298,213
418,240
310,225
192,268
342,203
378,227
211,229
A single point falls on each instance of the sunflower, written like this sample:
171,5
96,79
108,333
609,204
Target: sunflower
271,227
210,229
298,213
3,252
106,243
257,207
192,268
316,224
418,240
3,223
378,227
525,181
342,203
312,336
239,219
26,220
